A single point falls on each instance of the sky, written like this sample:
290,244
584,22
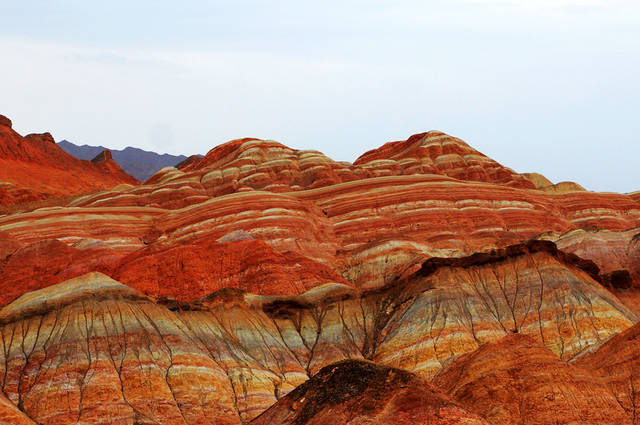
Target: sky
551,86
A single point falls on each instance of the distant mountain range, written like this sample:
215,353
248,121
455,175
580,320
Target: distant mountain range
139,163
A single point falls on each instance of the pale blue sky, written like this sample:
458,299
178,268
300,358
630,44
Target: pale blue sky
539,85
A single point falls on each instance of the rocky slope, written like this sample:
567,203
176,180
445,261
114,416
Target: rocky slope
518,380
136,162
617,363
33,168
243,285
357,392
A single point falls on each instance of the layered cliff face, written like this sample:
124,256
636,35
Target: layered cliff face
33,168
226,290
92,350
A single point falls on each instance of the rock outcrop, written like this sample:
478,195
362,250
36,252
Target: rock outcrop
103,156
518,380
617,362
358,392
5,122
616,253
34,168
544,184
438,153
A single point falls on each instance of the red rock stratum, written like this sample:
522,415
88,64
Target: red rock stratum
34,168
424,283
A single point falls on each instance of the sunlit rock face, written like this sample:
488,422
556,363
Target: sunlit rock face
243,285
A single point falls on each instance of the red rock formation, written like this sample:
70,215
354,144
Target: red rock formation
11,415
368,230
34,168
358,392
194,270
5,122
617,361
185,272
187,162
438,153
243,274
464,303
255,349
518,380
91,350
44,263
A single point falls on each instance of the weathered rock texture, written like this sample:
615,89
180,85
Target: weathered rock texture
212,291
248,350
518,380
358,392
616,253
618,362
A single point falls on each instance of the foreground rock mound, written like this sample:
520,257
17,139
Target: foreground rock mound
618,362
518,380
359,392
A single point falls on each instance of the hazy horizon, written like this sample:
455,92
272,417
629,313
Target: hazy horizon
539,86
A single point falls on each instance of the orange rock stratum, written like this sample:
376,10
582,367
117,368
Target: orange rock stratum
423,284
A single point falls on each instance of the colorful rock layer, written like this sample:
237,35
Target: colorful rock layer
424,283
